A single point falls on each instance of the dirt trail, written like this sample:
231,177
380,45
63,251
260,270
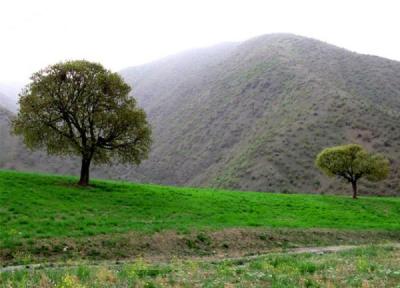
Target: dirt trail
314,250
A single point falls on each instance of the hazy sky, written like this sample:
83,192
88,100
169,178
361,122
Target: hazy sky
122,33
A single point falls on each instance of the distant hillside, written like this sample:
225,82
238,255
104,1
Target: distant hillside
14,155
253,115
8,102
9,95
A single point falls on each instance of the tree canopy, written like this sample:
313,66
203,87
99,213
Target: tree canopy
80,108
352,162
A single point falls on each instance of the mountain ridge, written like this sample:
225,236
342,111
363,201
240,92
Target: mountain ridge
269,71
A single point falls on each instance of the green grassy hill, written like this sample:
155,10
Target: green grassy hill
42,214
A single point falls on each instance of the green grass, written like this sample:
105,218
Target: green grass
41,206
372,266
45,218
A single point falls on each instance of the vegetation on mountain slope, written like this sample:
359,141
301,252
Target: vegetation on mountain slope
14,155
254,115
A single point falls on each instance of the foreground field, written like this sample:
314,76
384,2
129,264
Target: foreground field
361,267
49,217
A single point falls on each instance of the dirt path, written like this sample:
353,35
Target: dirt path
315,250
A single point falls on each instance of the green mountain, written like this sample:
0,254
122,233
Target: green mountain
253,115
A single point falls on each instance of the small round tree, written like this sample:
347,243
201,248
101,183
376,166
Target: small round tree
80,108
352,162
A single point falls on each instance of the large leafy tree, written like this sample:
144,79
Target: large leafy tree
352,162
80,108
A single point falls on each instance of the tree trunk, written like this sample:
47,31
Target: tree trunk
354,185
84,180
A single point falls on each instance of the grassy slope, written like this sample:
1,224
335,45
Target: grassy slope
34,206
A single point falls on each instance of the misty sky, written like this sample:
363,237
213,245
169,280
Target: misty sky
121,33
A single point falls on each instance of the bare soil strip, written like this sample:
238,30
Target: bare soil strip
165,245
213,259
